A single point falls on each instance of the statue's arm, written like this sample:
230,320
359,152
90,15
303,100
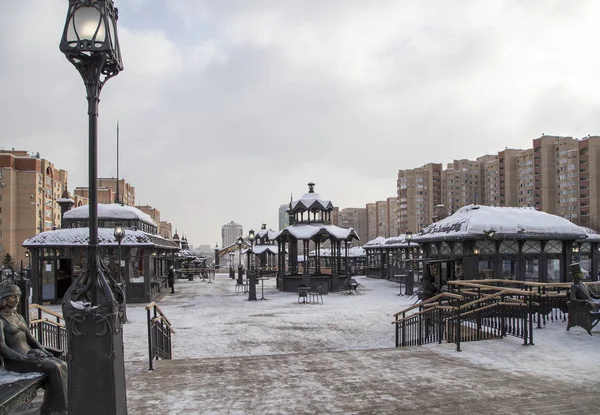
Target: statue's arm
32,341
5,351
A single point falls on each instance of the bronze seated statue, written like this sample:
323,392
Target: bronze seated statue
22,353
584,306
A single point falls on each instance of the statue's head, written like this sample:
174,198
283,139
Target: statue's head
575,271
7,291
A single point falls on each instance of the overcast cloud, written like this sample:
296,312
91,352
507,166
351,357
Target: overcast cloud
226,107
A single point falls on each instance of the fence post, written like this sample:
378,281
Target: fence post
457,334
403,330
530,313
149,341
397,328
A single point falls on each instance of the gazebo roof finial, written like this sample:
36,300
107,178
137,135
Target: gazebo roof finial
311,187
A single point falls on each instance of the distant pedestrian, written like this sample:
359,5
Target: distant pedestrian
171,279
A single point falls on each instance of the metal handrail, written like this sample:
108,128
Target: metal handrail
159,334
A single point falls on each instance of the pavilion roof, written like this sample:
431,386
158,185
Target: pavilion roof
309,231
80,237
259,249
475,221
391,242
112,211
355,251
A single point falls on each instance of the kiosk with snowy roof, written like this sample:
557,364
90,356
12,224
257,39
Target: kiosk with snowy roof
59,255
310,221
479,242
389,258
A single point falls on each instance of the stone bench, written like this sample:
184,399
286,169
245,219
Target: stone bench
582,314
18,389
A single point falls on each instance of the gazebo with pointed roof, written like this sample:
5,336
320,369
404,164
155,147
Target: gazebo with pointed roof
310,221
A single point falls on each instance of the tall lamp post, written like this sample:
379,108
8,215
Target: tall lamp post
240,242
410,279
231,270
252,271
96,382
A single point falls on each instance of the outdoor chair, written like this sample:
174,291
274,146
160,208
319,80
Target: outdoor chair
302,293
315,294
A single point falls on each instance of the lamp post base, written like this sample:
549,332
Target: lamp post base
96,380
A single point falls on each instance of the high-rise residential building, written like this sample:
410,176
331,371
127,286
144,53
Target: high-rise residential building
29,189
589,182
107,191
355,218
419,192
526,179
461,184
382,218
393,220
371,209
284,220
230,232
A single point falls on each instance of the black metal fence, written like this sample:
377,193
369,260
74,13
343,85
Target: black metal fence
159,335
482,309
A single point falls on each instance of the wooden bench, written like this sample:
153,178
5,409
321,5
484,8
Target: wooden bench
582,314
17,389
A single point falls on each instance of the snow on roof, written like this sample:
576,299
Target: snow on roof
391,242
522,223
65,200
308,231
355,251
310,201
80,237
259,249
269,233
111,211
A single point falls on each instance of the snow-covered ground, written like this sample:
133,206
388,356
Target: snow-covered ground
211,320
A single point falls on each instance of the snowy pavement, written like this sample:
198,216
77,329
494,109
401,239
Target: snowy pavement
278,356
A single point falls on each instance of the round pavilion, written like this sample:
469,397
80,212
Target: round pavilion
310,224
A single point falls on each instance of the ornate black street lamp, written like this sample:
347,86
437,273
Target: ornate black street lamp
91,305
251,270
231,269
240,242
410,279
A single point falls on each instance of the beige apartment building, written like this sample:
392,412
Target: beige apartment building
558,175
371,221
461,184
107,191
165,229
355,218
419,192
29,188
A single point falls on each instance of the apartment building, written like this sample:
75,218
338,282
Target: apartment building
461,184
393,219
230,232
382,219
151,211
165,229
284,220
355,218
29,188
419,192
107,191
371,221
589,182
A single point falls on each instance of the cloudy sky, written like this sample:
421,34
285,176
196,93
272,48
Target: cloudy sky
228,107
